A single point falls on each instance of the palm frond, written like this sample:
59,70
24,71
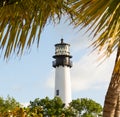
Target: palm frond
8,2
100,17
21,22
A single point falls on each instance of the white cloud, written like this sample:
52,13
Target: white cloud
79,43
86,73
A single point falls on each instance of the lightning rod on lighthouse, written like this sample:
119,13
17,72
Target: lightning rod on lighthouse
62,65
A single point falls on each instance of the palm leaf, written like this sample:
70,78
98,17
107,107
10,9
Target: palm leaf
100,17
8,2
22,21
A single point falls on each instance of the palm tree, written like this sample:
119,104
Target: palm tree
113,93
101,17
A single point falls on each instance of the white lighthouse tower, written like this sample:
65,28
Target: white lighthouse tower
62,65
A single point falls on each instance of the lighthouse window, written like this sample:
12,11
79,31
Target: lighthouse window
57,92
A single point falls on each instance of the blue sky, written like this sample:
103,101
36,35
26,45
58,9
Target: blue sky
32,75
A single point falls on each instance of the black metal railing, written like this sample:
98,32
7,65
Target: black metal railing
62,62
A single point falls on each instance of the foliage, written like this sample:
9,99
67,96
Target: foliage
7,2
17,112
83,107
8,105
86,107
18,18
50,108
102,18
21,22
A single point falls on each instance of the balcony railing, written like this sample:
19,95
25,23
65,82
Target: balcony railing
62,63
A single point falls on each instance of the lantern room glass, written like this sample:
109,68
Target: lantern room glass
62,50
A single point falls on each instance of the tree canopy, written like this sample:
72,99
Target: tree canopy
8,104
86,107
83,107
50,107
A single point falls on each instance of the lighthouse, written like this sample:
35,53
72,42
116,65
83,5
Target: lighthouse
62,65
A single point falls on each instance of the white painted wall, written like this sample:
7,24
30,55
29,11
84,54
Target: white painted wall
63,83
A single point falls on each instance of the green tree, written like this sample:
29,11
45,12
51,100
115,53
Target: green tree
7,105
55,108
86,107
50,107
